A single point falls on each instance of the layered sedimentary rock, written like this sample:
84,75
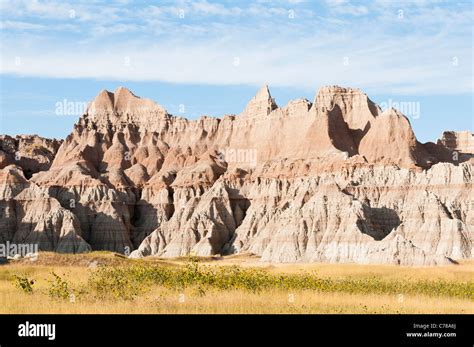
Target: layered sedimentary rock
334,180
30,152
460,142
29,215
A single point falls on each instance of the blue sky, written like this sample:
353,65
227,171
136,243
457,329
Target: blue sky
211,56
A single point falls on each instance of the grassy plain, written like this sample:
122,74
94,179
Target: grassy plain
101,282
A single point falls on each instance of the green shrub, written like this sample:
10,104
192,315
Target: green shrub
59,288
118,282
23,283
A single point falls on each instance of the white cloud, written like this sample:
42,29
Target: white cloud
352,10
345,7
207,8
18,25
152,44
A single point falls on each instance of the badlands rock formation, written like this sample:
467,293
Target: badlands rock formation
30,152
333,180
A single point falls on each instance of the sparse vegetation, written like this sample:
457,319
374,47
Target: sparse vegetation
59,288
208,285
23,283
133,280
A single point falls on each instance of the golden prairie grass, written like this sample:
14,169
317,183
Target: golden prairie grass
120,285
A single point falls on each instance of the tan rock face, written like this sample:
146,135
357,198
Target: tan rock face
357,108
30,152
29,215
460,142
336,180
390,139
261,105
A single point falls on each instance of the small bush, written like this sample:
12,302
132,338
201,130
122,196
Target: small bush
59,288
117,282
23,283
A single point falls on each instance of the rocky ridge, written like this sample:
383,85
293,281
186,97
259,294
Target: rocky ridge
333,180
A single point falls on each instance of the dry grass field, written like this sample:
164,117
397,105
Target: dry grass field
101,282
